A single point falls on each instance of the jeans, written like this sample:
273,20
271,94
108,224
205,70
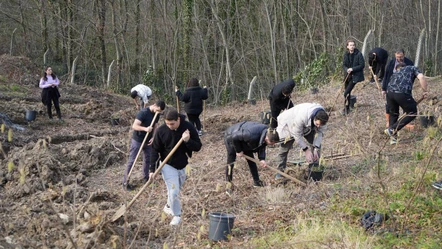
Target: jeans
174,179
133,151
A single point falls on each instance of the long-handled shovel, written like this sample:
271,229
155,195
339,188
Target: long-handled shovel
276,170
339,93
141,148
376,80
120,212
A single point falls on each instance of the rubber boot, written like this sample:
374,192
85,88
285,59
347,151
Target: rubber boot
387,116
410,126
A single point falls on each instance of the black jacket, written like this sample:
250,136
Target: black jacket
165,139
380,62
277,99
193,98
357,64
389,71
247,136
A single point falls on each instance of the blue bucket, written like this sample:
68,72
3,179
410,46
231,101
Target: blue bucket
221,225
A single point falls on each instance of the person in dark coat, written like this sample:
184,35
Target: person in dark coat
174,171
193,98
389,70
377,60
50,94
353,65
279,99
246,138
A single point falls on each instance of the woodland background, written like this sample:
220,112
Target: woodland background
118,43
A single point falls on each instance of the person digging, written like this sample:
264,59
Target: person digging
246,138
304,123
399,94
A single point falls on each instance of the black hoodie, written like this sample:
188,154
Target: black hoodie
165,140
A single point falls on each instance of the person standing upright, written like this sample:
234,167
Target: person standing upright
173,172
50,94
399,94
377,60
389,70
143,92
141,126
193,98
353,65
279,99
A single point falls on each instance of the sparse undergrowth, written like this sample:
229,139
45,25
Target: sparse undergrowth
61,181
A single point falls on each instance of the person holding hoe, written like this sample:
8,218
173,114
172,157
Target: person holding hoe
353,65
173,172
399,94
143,92
193,98
399,57
377,60
145,122
279,99
304,123
246,138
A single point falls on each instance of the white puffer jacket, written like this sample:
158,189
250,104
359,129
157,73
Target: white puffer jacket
296,122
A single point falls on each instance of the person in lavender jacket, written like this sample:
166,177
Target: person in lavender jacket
50,94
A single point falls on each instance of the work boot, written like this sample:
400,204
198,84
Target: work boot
258,183
127,187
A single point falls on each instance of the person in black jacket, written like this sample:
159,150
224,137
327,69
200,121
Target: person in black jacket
193,98
353,66
389,70
279,99
246,138
377,60
173,172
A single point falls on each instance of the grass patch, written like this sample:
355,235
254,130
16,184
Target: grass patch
316,233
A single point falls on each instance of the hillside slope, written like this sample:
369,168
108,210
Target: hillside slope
61,181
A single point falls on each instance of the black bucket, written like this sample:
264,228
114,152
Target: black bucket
315,172
30,115
115,121
221,225
352,101
426,121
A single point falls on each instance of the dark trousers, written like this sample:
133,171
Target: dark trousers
195,120
349,85
231,157
56,105
408,105
285,148
134,148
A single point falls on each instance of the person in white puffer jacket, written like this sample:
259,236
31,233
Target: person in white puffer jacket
304,123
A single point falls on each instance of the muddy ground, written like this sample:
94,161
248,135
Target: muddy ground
61,180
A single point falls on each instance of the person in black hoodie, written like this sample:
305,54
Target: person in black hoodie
173,172
246,138
353,66
377,59
193,98
279,99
